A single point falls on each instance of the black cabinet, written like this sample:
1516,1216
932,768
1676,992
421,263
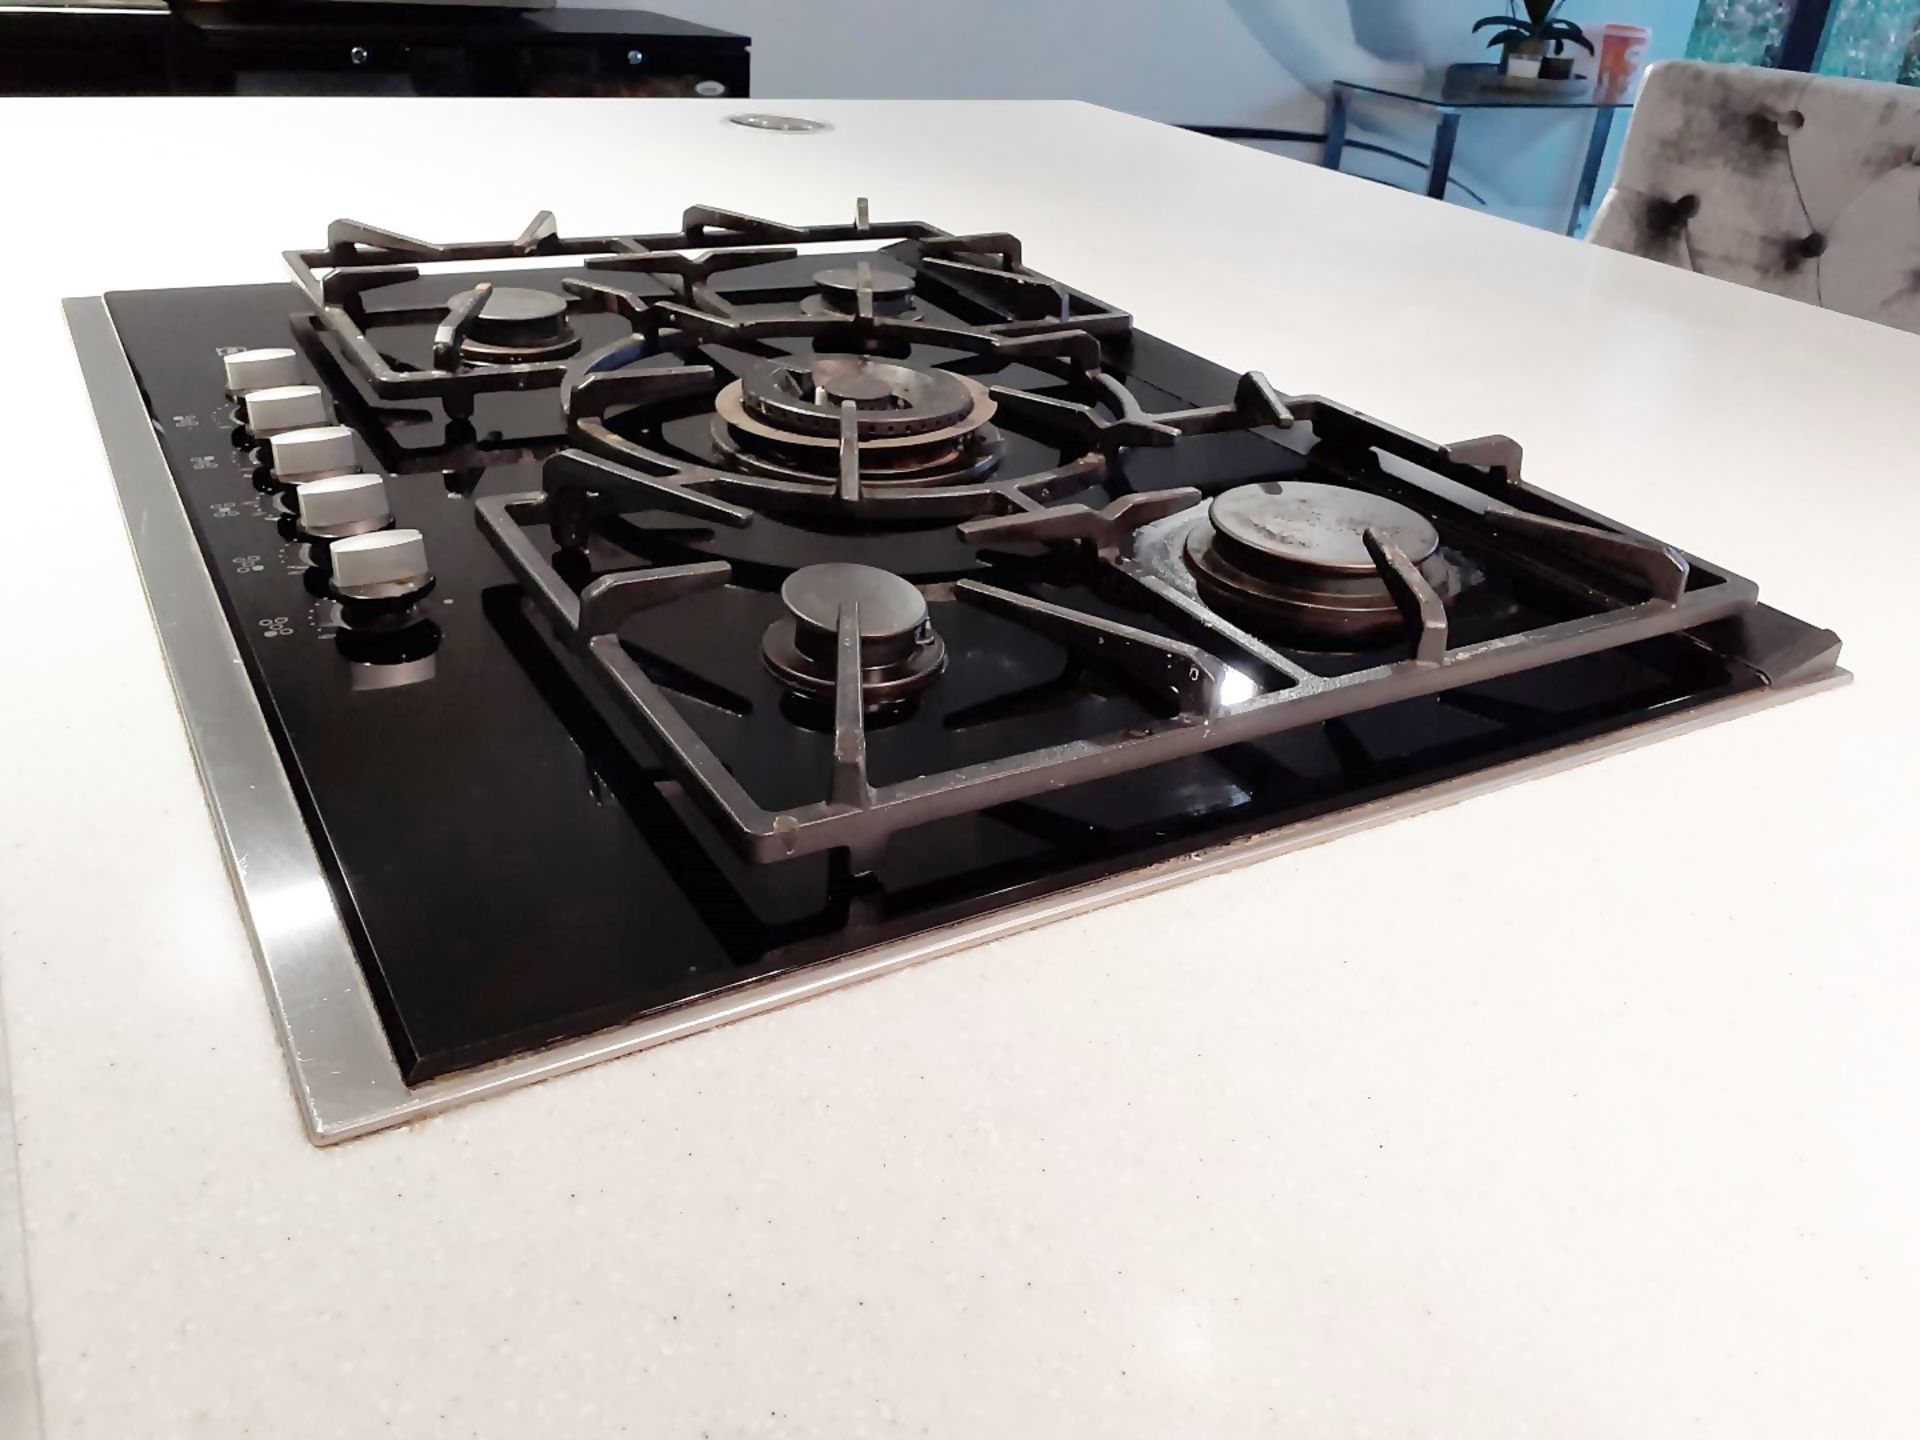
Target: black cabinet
353,49
79,50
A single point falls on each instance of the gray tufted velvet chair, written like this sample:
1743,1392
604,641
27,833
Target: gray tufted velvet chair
1800,184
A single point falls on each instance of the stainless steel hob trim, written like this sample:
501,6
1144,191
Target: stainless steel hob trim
343,1071
344,1074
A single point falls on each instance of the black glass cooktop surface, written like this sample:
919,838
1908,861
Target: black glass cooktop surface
525,851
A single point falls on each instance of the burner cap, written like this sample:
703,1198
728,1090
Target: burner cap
1321,527
515,324
894,399
839,291
864,384
914,425
1293,556
890,608
899,652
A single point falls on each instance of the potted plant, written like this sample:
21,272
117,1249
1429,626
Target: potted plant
1534,38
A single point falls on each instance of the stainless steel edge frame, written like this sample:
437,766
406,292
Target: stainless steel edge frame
343,1071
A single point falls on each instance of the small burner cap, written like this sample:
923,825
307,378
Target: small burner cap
890,607
900,654
516,325
840,290
512,315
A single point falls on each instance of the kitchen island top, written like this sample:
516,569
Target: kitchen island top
1576,1109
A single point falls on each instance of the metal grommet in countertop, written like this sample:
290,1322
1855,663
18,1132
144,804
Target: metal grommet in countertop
780,124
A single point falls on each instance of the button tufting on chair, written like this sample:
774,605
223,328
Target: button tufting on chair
1747,174
1795,253
1669,217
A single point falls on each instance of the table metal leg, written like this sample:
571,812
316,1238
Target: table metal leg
1443,142
1590,170
1336,141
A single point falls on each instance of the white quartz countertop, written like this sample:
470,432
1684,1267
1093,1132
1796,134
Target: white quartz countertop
1587,1108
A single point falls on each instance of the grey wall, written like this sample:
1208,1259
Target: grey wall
1168,59
1251,62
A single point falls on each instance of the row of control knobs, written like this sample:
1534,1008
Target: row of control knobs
334,502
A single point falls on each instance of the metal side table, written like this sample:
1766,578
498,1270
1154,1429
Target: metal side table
1451,97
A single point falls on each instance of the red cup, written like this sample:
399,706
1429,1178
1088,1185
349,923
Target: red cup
1623,55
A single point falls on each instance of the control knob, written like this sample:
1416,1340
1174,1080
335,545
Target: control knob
342,505
261,369
312,452
379,578
283,407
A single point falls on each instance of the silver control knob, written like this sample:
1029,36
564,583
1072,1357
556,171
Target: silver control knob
258,369
313,452
284,407
341,506
384,565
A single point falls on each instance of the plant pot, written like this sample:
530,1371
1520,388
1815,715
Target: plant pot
1523,66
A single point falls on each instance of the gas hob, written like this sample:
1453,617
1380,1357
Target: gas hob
635,632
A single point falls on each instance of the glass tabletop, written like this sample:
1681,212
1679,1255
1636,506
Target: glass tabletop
1478,87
